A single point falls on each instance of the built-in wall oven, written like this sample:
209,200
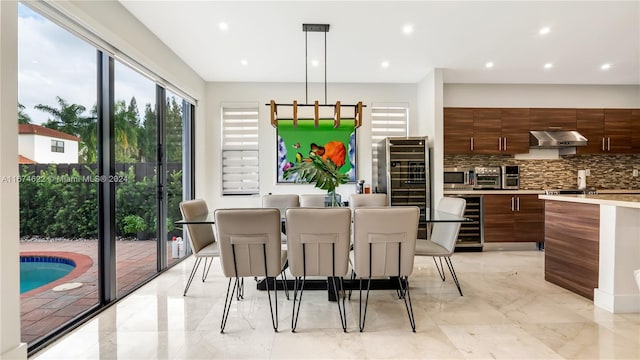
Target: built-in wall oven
458,178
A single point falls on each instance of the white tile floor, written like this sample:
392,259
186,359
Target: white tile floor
508,311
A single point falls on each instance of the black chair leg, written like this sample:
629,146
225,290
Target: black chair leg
362,318
298,285
206,273
404,285
284,284
227,302
341,309
194,269
440,268
453,274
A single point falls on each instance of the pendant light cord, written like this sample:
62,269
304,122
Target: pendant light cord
306,61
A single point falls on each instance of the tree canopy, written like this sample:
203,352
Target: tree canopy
136,139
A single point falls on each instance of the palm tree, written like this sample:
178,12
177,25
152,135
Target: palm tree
23,117
68,118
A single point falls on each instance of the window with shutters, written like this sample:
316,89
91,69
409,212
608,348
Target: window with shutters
386,120
240,164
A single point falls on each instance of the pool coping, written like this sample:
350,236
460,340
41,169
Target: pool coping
83,263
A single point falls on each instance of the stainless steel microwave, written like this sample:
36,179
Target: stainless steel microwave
458,178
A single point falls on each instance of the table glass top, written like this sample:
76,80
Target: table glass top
437,217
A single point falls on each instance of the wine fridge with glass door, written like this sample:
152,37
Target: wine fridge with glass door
403,174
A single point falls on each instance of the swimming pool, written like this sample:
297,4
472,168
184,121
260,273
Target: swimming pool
36,271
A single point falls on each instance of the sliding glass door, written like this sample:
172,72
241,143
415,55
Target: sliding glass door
105,160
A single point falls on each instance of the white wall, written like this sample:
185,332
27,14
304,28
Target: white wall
262,93
430,93
569,96
42,150
26,146
10,346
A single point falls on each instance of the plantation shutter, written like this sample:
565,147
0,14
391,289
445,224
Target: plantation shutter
386,121
240,165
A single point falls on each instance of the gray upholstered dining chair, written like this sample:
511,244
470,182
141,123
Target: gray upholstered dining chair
384,244
443,238
318,245
201,238
280,201
250,245
367,200
637,275
312,200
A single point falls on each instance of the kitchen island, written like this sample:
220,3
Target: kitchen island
592,247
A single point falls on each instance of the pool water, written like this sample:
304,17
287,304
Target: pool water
36,271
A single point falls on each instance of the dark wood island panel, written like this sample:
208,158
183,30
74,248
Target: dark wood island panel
572,233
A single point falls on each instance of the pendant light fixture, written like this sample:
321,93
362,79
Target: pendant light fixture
337,107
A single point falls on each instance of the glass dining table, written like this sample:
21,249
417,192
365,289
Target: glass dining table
324,284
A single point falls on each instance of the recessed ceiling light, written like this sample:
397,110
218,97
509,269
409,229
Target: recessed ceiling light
606,66
385,64
315,63
244,62
223,26
489,65
407,29
544,31
548,65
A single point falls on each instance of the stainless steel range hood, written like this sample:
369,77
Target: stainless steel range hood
556,139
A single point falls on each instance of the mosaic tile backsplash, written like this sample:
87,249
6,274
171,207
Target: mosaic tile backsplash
607,171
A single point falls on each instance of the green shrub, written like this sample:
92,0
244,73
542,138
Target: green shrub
134,224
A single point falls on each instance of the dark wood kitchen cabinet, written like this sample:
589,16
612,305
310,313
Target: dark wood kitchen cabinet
617,131
486,131
458,131
590,123
635,131
552,119
513,218
609,131
515,131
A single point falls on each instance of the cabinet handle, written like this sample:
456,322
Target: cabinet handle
504,147
608,144
602,144
471,142
518,203
512,206
499,144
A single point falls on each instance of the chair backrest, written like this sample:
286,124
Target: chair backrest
637,275
323,233
200,235
246,237
367,200
312,200
445,234
280,201
384,240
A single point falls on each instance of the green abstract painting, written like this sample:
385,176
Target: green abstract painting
335,144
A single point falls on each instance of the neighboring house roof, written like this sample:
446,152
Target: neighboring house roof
25,160
43,131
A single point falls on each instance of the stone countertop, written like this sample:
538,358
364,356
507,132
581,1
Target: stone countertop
492,192
524,192
622,200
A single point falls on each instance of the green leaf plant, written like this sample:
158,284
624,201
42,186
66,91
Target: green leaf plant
322,173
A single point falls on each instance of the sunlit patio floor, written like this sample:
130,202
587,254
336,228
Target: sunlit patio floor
42,311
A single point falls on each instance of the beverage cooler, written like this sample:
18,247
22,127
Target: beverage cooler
471,235
403,173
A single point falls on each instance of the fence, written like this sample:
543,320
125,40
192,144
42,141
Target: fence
141,170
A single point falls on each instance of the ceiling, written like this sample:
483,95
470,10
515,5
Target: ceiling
459,37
